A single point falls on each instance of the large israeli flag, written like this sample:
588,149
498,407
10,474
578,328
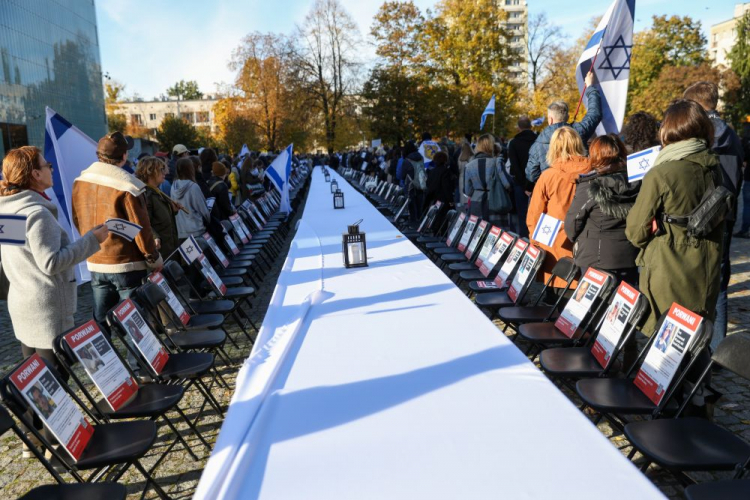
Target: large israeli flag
244,151
279,172
70,151
489,110
611,44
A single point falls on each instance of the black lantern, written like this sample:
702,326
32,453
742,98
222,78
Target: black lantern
334,186
328,176
338,199
354,247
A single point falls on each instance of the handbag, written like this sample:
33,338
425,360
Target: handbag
498,198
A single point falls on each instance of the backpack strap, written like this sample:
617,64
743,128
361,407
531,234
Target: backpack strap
214,185
482,167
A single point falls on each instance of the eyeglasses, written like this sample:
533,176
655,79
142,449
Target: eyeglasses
46,165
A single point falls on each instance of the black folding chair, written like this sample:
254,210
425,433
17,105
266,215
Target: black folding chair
500,277
99,491
468,256
732,489
695,444
112,449
8,424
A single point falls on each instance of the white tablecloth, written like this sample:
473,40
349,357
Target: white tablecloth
386,382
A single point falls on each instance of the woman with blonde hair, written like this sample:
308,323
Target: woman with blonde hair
554,191
477,176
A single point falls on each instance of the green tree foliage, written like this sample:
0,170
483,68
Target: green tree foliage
174,130
116,122
739,109
185,91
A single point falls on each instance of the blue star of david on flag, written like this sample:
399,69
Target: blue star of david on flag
641,162
616,57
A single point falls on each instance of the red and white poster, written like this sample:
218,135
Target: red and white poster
102,365
454,230
524,272
616,319
474,243
426,217
53,405
497,251
579,305
230,243
489,243
210,274
255,220
144,339
216,250
235,220
172,300
673,339
501,280
489,285
466,235
433,217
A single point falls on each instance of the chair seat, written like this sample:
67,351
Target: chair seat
239,292
116,443
204,321
212,306
227,280
445,250
238,271
464,267
199,339
474,286
435,245
428,239
95,491
528,314
572,362
454,257
688,444
544,333
241,263
497,299
614,395
732,489
187,365
149,401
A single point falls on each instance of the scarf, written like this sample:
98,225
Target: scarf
680,150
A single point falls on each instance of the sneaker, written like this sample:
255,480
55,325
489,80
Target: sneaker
26,451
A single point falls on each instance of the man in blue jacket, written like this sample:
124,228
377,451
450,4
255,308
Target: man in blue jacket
557,116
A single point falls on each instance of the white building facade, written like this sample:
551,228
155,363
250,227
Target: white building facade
723,36
518,24
149,114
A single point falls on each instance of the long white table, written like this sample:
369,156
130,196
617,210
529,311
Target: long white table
386,382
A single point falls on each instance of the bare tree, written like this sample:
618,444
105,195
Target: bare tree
542,38
328,40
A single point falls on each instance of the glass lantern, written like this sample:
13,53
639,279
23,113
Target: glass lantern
338,199
354,247
328,176
334,186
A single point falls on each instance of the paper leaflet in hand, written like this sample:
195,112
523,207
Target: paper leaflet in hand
55,407
123,228
101,364
579,305
143,338
673,340
190,250
12,229
616,318
641,162
547,230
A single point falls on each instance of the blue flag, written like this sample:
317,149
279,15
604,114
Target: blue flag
12,229
611,45
279,172
489,110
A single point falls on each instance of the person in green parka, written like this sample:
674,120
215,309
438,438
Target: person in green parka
675,267
161,208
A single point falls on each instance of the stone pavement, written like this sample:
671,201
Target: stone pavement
179,473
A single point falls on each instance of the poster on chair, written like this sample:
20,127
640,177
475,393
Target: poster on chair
524,272
501,280
102,365
47,399
498,250
677,332
588,290
616,318
172,301
466,235
143,338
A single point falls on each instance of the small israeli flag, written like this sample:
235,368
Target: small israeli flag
12,230
641,162
489,110
546,230
210,203
244,151
190,250
123,228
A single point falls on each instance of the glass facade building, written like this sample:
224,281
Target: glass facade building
49,56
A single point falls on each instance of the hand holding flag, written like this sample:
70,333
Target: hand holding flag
123,228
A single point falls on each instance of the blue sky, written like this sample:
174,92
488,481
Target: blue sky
150,44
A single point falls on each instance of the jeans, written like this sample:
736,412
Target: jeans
521,201
745,207
720,323
416,200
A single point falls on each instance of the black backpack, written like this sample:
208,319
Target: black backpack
715,206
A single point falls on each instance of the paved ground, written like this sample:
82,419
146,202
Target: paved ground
179,473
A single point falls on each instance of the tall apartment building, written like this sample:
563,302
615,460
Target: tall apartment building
149,114
723,35
517,23
49,56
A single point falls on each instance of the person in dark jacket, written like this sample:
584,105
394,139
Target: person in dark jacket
207,158
219,190
161,209
640,132
557,116
416,196
729,148
518,155
441,184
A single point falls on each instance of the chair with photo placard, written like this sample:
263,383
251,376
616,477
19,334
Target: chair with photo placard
111,446
97,491
438,234
686,443
499,277
436,250
232,270
424,229
578,360
470,253
613,398
487,266
151,401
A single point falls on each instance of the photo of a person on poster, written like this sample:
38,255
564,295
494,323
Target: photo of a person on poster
45,404
135,333
581,291
665,337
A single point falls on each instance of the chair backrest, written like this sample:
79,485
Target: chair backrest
476,240
525,273
468,232
500,250
509,264
129,322
450,217
564,269
455,230
593,291
733,354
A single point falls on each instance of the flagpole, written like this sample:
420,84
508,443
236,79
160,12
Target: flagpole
493,123
591,70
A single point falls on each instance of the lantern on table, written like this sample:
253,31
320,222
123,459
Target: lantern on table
354,247
328,176
334,186
338,199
